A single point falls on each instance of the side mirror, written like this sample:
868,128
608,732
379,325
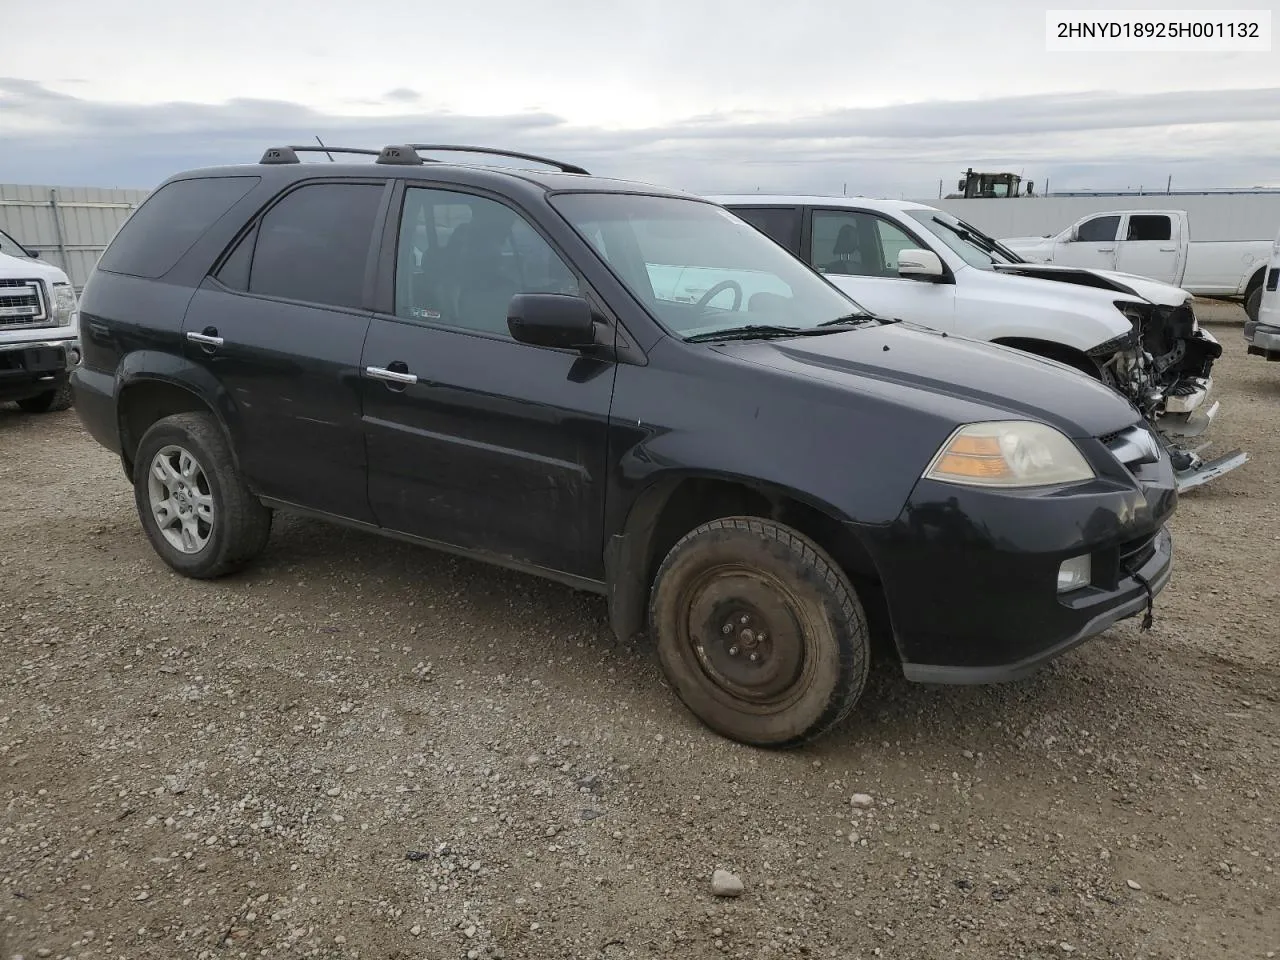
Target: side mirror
919,263
551,320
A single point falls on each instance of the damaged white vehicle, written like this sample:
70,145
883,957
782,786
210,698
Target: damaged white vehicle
914,262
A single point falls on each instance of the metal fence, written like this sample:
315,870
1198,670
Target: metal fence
67,226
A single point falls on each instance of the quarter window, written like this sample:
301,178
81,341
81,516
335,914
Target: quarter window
313,245
857,244
169,222
461,258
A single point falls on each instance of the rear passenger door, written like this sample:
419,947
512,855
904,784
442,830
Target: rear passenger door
476,440
280,324
1152,247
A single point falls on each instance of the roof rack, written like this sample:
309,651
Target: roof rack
408,154
290,154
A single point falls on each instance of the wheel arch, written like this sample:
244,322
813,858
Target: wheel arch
1255,281
675,503
1053,351
142,400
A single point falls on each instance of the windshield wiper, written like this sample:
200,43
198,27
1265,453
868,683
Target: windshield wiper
851,320
748,331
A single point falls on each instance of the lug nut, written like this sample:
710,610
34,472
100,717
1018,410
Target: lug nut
733,651
727,628
755,657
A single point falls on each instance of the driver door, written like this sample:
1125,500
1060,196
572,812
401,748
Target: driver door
858,252
1091,243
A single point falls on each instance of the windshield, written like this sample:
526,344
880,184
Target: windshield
699,269
972,245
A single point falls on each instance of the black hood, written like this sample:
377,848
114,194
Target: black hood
951,376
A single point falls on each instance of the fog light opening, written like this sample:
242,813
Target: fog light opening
1075,573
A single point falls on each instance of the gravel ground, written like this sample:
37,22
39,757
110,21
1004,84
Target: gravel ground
365,749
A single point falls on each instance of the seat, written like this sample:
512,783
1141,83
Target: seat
482,279
846,254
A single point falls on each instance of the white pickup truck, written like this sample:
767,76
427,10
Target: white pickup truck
1157,244
39,331
914,262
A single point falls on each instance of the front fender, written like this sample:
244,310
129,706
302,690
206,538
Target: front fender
997,307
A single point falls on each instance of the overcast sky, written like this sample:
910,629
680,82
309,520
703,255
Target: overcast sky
886,98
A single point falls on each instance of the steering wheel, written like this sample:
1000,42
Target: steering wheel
720,288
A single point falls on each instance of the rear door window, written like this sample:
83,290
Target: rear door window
1146,226
781,224
313,245
169,222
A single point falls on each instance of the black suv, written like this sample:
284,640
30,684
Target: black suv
626,389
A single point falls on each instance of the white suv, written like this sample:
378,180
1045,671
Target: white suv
39,331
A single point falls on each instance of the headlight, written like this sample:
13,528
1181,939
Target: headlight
1009,453
64,303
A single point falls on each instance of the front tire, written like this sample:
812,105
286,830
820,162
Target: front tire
51,401
194,506
759,632
1253,303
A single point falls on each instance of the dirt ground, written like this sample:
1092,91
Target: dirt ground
365,749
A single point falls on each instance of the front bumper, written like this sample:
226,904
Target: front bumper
30,368
970,575
1263,339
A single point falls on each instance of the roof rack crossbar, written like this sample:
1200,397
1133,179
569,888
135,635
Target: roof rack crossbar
290,154
455,148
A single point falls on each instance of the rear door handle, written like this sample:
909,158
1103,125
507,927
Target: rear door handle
390,376
208,338
1106,249
1168,249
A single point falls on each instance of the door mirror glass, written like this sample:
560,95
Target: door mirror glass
919,263
551,320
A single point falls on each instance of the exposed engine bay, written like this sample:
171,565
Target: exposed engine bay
1163,365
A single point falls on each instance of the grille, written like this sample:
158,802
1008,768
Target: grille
1133,447
21,304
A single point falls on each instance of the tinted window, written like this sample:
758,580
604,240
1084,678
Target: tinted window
314,244
169,221
234,271
778,223
462,258
1098,230
857,244
1148,227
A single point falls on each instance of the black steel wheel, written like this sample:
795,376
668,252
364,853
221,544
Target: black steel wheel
759,632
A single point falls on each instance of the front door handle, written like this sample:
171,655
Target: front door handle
1106,249
1168,249
208,338
390,376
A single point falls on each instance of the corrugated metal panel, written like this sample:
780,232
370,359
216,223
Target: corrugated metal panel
68,226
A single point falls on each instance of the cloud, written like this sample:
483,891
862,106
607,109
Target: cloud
402,95
1100,140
